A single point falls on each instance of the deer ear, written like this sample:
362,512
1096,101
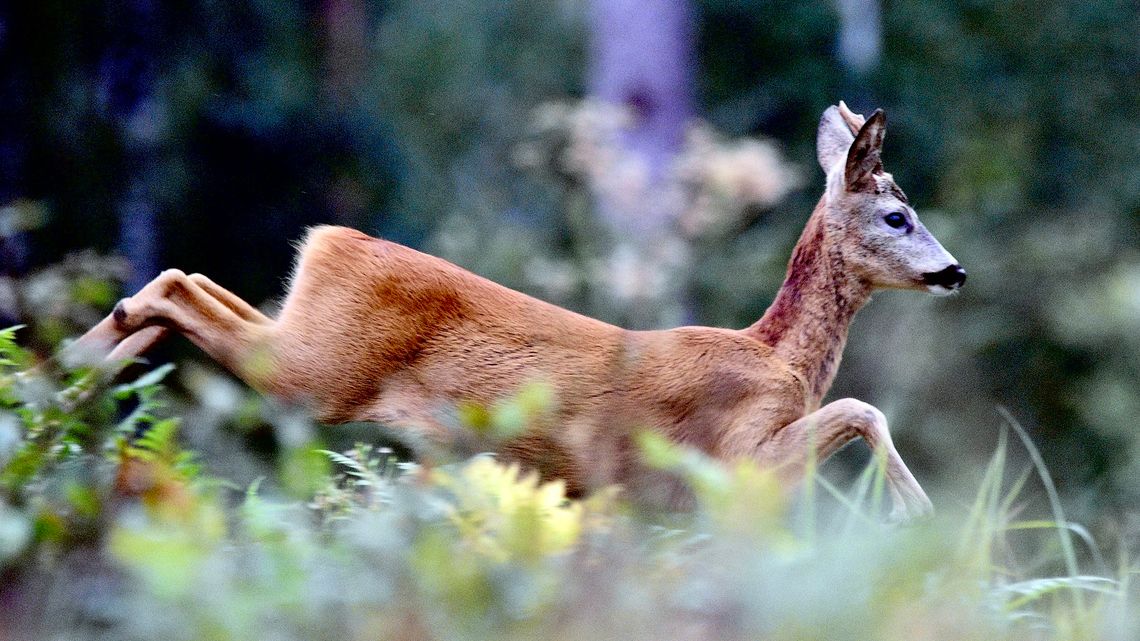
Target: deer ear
865,156
832,140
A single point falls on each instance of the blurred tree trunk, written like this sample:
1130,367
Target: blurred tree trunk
13,130
860,47
346,49
138,236
126,79
641,57
346,24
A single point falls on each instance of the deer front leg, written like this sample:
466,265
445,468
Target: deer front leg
830,428
225,327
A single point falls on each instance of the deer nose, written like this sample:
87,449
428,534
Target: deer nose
952,277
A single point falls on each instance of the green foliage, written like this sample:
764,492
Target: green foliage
60,444
509,417
478,549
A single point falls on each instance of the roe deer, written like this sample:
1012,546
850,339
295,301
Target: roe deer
374,331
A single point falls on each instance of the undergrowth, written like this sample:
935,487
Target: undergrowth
110,529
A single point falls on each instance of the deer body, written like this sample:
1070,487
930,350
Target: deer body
374,331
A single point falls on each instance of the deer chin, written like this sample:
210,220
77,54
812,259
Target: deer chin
941,290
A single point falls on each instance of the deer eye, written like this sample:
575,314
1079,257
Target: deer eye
895,220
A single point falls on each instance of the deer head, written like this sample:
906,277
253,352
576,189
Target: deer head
867,216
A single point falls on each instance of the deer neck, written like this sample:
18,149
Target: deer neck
807,323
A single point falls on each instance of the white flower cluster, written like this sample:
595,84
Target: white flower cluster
705,187
655,206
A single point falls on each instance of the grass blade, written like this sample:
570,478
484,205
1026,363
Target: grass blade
1054,503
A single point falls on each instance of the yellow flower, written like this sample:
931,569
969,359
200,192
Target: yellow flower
505,513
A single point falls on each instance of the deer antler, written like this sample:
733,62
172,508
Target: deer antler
854,121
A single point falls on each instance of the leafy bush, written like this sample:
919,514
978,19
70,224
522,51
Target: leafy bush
109,529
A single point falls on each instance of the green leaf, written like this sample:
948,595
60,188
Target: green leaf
150,380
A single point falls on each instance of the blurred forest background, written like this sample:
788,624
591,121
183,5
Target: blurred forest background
649,162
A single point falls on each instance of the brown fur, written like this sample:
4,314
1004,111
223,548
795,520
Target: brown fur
374,331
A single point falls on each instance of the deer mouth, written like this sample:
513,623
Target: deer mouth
945,281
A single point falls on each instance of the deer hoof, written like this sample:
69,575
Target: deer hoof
120,314
911,513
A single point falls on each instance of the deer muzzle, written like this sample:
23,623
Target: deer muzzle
951,278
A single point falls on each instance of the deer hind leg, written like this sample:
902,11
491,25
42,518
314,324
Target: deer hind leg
231,331
144,339
830,428
238,306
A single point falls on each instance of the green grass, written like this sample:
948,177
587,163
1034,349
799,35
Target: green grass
357,545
